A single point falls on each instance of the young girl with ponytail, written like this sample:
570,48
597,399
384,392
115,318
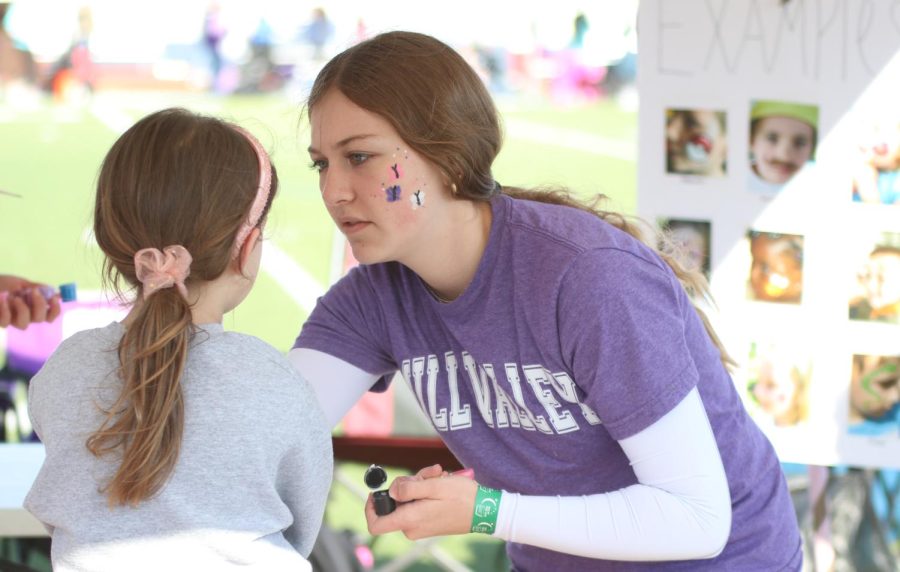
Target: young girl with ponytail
172,444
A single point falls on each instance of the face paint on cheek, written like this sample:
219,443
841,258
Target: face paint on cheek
417,199
396,171
392,193
874,397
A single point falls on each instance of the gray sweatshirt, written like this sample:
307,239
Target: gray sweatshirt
250,484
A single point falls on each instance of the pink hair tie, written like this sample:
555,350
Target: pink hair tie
157,270
262,191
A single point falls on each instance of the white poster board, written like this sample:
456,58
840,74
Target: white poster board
770,138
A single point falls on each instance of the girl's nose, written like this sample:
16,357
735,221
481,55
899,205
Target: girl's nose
335,189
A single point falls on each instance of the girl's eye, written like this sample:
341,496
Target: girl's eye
357,158
318,165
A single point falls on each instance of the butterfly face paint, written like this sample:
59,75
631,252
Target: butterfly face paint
393,193
368,179
417,199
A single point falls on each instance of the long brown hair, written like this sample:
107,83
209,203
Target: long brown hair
172,178
441,108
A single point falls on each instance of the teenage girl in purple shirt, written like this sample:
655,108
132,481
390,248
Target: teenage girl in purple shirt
556,353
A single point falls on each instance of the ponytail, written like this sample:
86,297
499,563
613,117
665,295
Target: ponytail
147,419
692,280
173,184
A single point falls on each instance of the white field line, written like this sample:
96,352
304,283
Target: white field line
296,282
113,118
571,139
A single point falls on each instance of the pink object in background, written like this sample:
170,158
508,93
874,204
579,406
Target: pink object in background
365,556
28,349
373,415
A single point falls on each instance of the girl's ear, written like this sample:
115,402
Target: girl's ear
247,249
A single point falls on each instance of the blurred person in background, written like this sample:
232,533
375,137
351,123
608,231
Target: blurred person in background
74,71
16,61
318,33
259,74
214,32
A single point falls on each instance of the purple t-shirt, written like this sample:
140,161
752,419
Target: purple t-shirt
571,336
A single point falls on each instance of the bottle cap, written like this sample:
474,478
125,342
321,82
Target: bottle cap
67,292
375,476
383,502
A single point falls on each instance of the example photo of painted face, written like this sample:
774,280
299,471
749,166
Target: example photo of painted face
696,142
782,139
384,197
876,172
778,383
874,394
692,238
776,268
876,296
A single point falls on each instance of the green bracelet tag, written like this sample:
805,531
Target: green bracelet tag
487,504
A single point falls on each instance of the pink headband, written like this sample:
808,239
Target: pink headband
157,270
262,192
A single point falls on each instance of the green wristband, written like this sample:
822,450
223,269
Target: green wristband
487,504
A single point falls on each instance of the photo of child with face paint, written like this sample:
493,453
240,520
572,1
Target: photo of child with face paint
782,141
876,177
691,239
776,269
696,142
874,395
877,297
778,383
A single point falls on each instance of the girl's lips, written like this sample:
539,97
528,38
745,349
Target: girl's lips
354,226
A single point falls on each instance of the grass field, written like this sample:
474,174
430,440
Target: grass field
51,155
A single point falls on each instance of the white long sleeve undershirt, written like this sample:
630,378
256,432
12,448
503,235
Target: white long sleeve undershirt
680,509
338,385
